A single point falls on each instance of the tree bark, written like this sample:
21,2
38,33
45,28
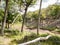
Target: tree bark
24,19
8,25
4,18
38,21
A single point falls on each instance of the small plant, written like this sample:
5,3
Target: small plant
54,40
43,35
58,30
50,28
10,33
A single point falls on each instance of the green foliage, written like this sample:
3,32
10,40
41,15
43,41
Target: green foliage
23,3
43,35
35,15
19,38
1,14
57,30
19,19
10,18
30,2
26,38
50,28
53,11
44,13
11,33
54,40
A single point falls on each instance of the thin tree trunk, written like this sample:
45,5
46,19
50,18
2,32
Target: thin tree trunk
24,19
1,27
4,19
8,25
15,19
38,21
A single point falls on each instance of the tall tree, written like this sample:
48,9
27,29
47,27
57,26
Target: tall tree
27,3
38,21
4,18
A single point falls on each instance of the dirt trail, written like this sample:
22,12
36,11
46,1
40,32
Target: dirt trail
43,31
18,27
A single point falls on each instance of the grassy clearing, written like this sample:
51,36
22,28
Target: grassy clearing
15,37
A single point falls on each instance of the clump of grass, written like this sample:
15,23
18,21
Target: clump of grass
26,38
57,30
15,35
50,28
11,33
43,35
54,40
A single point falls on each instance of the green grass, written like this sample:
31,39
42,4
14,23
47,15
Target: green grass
57,30
50,28
18,37
54,40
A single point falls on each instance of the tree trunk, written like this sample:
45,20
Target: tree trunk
1,27
24,19
38,21
8,25
4,18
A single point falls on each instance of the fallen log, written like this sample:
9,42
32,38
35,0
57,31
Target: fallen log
35,40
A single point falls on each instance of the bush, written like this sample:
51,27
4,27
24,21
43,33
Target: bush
50,28
57,30
10,33
26,38
54,40
43,35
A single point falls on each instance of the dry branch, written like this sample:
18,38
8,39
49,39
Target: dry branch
35,40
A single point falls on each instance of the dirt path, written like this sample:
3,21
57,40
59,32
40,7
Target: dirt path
18,27
43,31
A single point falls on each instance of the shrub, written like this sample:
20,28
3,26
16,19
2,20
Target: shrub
58,30
43,35
54,40
10,33
50,28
